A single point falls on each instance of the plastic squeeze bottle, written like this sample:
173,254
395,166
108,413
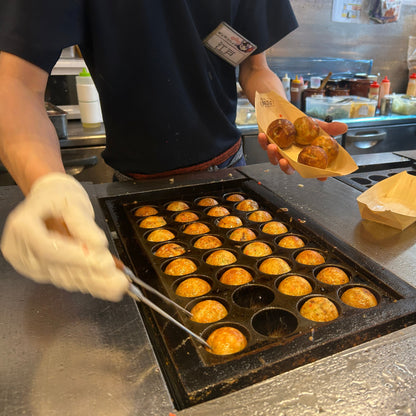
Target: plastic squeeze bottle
89,101
411,86
374,91
286,86
384,89
296,92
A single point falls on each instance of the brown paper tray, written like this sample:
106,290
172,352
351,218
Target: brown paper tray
269,107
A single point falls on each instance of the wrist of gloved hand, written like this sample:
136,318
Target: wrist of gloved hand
81,262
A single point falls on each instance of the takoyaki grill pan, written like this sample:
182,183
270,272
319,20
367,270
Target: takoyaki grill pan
279,337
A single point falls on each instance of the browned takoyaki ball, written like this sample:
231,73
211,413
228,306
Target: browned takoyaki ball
332,275
230,221
274,228
145,211
248,205
313,156
257,249
236,276
208,311
170,250
196,228
158,236
243,234
307,129
207,202
177,206
226,340
294,286
282,132
329,144
208,241
235,197
180,267
193,287
221,258
218,211
186,216
310,257
274,265
319,309
359,297
260,216
291,241
153,221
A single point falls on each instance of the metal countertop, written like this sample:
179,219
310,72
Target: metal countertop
70,354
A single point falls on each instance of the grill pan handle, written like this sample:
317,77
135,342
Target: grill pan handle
365,139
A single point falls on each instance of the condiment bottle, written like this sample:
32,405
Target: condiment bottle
384,89
374,91
296,88
286,86
89,101
411,86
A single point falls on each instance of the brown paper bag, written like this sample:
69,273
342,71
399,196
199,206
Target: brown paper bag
391,202
269,107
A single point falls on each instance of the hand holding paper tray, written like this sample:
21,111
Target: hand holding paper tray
391,202
269,107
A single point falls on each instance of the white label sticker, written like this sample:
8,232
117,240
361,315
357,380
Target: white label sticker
228,44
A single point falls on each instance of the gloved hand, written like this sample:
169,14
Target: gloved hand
81,262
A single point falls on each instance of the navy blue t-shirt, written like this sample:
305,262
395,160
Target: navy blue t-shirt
167,101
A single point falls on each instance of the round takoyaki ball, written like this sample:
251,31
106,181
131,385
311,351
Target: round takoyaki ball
208,311
153,221
235,197
221,258
260,216
291,241
332,275
158,236
274,228
193,287
257,249
207,202
236,276
243,234
307,129
170,250
196,228
186,216
230,221
226,340
294,286
274,265
145,211
313,156
329,144
359,297
310,257
282,132
180,267
319,309
208,241
248,205
218,211
177,206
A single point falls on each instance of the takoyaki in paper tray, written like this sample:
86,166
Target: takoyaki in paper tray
271,106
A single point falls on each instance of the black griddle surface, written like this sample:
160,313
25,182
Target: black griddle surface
279,337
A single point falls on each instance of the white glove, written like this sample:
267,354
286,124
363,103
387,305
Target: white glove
81,263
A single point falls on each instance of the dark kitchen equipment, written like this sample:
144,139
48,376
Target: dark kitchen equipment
59,119
279,338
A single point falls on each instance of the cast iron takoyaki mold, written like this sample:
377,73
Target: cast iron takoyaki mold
279,337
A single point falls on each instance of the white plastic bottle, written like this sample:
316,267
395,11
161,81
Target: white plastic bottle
286,86
411,86
89,101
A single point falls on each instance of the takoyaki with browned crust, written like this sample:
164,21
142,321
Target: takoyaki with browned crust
236,276
243,234
196,228
207,202
221,258
186,216
208,241
218,211
226,340
274,265
291,241
180,267
208,311
235,197
359,297
295,286
160,235
193,287
170,250
260,216
230,221
274,228
319,309
145,211
248,205
177,206
257,249
310,257
332,275
153,221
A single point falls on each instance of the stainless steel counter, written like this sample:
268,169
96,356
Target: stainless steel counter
70,354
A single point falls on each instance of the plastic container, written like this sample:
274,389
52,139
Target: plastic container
246,113
404,104
89,101
339,107
411,86
374,91
384,89
286,86
296,88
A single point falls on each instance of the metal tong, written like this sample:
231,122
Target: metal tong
138,295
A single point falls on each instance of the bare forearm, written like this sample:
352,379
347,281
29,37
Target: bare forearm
29,147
